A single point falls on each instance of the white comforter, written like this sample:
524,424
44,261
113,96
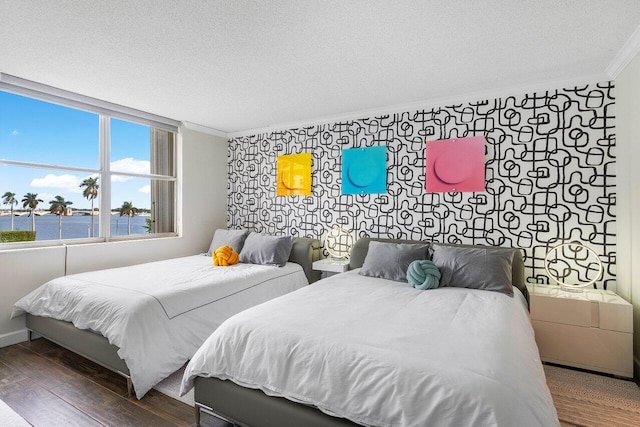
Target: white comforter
382,353
159,313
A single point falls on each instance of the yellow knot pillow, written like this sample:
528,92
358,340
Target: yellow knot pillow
224,256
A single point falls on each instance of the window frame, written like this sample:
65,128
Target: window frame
105,111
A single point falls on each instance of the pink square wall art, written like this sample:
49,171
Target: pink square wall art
455,165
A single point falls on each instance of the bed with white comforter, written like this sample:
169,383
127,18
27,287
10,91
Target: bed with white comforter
159,313
381,353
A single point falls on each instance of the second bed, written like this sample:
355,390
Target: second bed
354,349
145,321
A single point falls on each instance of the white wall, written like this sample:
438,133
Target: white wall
204,205
628,193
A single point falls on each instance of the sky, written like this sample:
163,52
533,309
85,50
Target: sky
40,132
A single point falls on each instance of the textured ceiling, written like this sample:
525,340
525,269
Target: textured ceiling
235,66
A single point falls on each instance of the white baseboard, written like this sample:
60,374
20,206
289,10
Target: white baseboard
13,338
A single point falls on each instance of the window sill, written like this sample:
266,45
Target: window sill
6,247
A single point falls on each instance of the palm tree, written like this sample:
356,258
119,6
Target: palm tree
128,210
148,225
90,192
59,207
9,198
31,201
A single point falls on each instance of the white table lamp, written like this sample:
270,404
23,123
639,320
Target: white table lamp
566,260
338,242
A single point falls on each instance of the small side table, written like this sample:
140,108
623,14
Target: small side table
329,266
590,330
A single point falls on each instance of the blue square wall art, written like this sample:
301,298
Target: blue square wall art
364,170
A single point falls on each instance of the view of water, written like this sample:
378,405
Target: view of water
73,227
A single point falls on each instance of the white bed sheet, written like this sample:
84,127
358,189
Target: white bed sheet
159,313
381,353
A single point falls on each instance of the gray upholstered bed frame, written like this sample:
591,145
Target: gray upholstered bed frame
96,348
250,407
361,247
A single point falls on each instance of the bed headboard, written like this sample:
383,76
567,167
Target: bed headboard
361,247
304,252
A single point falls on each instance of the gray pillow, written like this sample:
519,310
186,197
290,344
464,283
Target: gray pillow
233,238
391,260
488,269
267,250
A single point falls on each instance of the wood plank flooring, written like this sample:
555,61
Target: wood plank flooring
49,385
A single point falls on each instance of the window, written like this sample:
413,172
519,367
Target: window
73,167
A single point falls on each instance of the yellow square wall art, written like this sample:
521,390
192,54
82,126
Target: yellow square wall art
294,175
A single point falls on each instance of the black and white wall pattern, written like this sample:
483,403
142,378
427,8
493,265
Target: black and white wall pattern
550,177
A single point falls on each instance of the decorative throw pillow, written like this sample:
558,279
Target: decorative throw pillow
423,274
268,250
225,256
233,238
391,260
488,269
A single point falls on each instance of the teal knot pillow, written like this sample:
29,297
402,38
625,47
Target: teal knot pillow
423,274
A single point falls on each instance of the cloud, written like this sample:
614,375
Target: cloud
145,189
15,132
65,181
129,165
46,197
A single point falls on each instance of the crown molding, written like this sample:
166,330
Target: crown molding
628,51
205,129
427,104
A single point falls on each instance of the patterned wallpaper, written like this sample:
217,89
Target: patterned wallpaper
550,177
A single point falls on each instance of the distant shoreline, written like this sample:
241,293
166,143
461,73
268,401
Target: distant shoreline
75,226
75,213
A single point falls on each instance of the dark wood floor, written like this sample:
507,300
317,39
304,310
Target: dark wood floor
51,386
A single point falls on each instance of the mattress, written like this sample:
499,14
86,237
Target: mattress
159,313
381,353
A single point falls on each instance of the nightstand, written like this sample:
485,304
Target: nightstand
329,266
592,329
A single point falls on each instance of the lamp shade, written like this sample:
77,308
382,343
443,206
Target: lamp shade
338,242
573,265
